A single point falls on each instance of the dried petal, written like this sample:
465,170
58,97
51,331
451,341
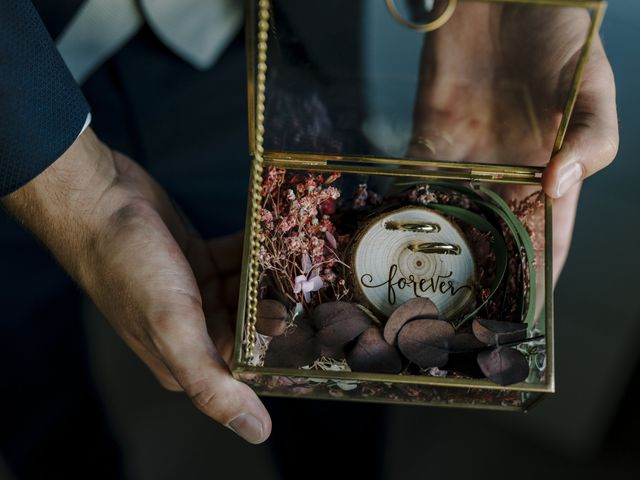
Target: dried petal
410,310
271,318
339,322
426,342
495,332
331,240
373,354
504,366
306,263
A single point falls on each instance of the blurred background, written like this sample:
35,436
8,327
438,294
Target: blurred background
587,429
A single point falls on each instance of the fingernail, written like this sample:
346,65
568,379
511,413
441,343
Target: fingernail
248,427
568,176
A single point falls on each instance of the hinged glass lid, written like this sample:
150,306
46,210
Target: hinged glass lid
472,81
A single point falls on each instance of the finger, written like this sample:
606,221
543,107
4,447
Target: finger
220,328
182,341
226,253
564,216
591,142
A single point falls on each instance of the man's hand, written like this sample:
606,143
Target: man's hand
166,292
493,84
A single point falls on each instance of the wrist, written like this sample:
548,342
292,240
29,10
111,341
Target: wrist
61,206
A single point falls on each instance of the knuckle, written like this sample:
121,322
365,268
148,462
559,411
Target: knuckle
206,399
214,401
168,383
610,150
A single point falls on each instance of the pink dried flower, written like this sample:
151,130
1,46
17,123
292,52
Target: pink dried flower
332,178
361,195
267,219
286,224
328,206
294,244
329,275
309,281
331,240
310,185
333,193
298,231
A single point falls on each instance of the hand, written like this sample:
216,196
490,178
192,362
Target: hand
166,292
493,83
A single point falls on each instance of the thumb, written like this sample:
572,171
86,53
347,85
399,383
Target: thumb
592,139
194,362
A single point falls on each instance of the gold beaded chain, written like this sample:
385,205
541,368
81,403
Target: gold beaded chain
256,181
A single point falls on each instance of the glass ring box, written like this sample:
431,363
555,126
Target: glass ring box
398,244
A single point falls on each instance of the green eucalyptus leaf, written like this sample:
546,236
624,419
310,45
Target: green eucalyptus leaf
492,204
498,244
523,241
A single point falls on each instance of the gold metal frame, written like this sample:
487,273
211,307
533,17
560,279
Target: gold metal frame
423,27
490,173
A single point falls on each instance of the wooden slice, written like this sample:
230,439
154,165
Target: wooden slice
390,268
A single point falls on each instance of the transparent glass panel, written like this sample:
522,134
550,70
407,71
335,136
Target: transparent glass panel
386,392
414,276
490,85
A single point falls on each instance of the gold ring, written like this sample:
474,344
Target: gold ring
436,247
423,27
412,227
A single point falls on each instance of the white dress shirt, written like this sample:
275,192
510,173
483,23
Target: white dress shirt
196,30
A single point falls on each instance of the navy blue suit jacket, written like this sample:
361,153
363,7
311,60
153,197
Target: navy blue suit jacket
42,109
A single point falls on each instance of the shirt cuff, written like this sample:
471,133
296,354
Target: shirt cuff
87,122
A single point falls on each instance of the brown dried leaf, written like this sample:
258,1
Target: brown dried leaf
339,322
373,354
426,342
296,349
504,366
271,318
464,342
336,353
495,332
410,310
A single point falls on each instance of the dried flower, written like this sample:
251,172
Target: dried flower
309,281
328,207
297,226
360,197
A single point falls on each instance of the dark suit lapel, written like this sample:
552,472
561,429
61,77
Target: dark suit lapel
56,14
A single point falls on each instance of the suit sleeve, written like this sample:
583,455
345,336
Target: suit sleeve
42,110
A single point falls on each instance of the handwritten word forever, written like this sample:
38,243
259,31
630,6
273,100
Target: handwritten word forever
439,283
